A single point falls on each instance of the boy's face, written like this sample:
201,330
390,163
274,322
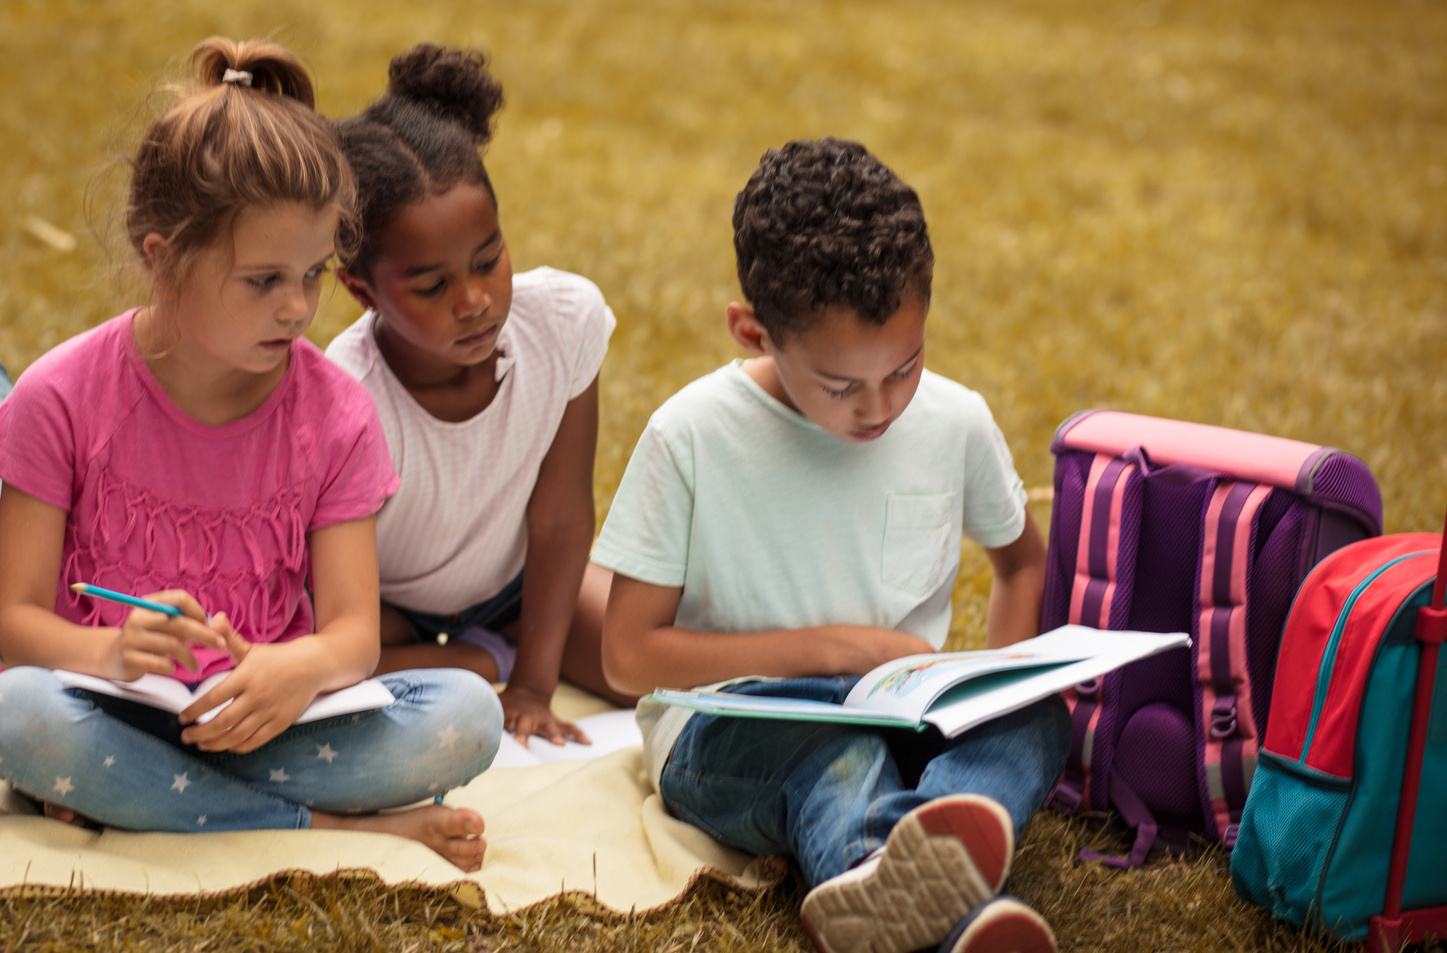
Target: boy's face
851,377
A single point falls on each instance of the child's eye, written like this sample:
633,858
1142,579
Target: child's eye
486,267
837,394
903,372
263,282
431,291
317,272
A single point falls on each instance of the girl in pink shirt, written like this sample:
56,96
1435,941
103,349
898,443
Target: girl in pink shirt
200,452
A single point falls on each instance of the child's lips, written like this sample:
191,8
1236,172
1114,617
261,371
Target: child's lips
873,433
481,337
277,344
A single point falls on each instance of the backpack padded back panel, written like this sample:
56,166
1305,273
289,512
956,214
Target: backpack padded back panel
1166,526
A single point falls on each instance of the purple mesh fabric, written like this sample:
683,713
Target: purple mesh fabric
1270,591
1343,479
1155,757
1167,540
1129,545
1160,679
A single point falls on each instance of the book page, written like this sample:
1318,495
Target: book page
975,702
169,694
780,708
910,686
609,732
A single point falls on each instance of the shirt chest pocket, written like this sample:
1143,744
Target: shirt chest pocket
917,536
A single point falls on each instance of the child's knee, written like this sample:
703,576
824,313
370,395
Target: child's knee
470,708
33,707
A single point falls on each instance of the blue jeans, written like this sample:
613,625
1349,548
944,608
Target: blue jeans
828,795
124,764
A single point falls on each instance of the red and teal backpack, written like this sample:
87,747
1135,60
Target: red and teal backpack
1332,836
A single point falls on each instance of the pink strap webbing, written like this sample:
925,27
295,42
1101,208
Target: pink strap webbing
1093,594
1221,660
1097,552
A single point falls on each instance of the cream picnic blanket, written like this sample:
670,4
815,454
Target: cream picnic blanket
592,826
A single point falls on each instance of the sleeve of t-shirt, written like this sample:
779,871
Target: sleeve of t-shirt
595,327
38,441
994,510
646,534
361,476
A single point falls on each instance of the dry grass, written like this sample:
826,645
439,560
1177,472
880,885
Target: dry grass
1223,211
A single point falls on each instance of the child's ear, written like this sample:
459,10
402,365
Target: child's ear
357,288
747,330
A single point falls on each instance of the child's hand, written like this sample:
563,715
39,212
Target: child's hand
268,690
859,648
155,642
526,712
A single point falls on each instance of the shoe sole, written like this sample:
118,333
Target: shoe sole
941,861
1006,926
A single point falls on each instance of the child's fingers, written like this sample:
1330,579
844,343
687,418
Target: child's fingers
182,600
183,628
235,646
227,690
159,643
139,662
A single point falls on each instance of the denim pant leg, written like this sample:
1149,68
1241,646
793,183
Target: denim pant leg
441,732
61,746
1014,759
829,795
799,788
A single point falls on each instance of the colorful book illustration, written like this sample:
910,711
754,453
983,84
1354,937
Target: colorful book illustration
169,694
954,691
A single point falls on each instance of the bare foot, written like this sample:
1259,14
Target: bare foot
68,816
456,834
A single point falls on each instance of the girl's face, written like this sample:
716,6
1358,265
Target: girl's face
246,300
442,280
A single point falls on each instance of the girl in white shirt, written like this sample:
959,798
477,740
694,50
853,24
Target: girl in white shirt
487,387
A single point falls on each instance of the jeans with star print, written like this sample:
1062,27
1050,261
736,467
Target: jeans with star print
124,764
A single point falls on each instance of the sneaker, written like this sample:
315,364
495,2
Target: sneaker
942,860
1002,925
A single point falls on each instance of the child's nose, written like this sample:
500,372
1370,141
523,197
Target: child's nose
474,297
294,305
874,405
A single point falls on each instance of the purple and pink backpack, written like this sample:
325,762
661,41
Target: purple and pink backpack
1165,526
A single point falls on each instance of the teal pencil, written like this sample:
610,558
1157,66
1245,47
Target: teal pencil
96,592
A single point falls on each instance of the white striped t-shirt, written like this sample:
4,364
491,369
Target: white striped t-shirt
455,532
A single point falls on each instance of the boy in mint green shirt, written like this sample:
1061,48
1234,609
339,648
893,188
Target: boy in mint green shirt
798,517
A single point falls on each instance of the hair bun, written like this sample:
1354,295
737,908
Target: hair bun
455,84
273,68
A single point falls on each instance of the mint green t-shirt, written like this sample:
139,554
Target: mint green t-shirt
768,522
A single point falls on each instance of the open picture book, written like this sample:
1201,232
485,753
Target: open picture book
954,691
169,694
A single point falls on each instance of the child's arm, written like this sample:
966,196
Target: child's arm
273,683
643,650
1018,589
32,534
561,521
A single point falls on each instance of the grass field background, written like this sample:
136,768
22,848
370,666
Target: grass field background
1228,212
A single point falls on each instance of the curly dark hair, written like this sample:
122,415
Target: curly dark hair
822,222
423,136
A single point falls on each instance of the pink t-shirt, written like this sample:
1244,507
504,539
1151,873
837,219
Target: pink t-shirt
157,500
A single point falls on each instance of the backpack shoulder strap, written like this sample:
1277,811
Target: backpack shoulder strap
1100,597
1229,737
